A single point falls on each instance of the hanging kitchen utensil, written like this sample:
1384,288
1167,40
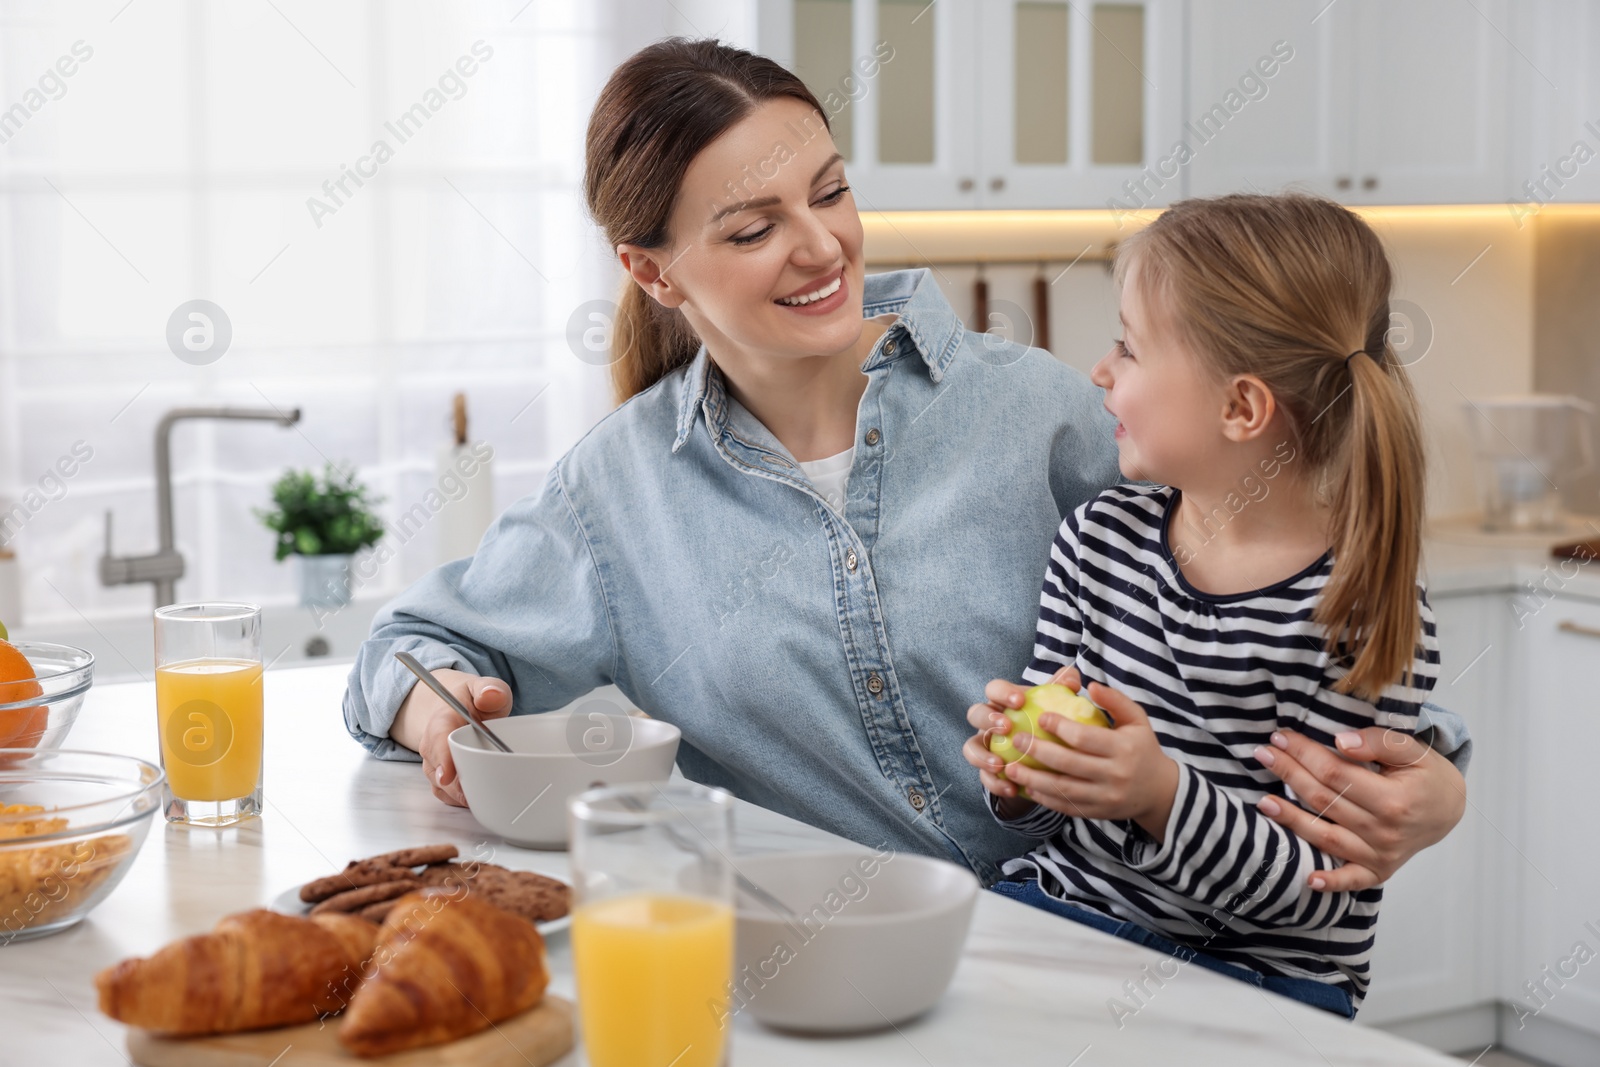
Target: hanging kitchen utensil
980,302
1041,310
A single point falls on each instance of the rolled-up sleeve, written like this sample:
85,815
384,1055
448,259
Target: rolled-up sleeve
529,608
1446,733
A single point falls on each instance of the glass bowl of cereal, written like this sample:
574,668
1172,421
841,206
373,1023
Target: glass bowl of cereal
42,686
70,825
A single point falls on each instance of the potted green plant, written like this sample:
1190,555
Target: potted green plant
324,520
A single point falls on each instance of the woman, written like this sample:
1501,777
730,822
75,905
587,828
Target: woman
811,530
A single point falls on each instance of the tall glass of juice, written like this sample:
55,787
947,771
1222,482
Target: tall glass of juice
208,711
652,929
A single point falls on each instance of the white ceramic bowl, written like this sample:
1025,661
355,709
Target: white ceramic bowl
522,797
876,943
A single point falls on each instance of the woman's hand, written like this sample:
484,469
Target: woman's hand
1373,820
425,721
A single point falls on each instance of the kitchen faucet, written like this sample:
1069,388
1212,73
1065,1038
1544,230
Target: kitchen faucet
165,566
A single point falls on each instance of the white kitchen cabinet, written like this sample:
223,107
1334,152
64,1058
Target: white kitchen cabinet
1079,105
1555,153
991,103
1296,126
1431,86
1382,103
1556,919
898,85
1435,950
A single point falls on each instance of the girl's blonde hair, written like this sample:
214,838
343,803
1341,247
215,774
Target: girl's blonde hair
1284,288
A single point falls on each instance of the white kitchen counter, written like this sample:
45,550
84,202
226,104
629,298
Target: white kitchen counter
1031,989
1457,558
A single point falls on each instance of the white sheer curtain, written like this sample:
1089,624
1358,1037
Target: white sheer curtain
196,150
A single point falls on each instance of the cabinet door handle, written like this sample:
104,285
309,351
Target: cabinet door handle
1568,626
1369,182
1342,182
965,185
997,184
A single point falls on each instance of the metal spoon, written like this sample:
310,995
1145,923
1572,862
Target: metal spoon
427,679
689,845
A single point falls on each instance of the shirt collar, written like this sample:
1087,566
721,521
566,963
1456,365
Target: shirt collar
926,319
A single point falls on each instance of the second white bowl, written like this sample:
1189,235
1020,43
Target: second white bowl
875,939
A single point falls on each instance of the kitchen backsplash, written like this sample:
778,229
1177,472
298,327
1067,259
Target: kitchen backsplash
1464,289
1566,322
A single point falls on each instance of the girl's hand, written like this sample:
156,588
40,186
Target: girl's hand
1373,820
988,720
1097,773
425,722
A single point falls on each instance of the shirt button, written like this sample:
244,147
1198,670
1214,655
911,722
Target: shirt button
850,560
918,801
874,683
888,348
873,437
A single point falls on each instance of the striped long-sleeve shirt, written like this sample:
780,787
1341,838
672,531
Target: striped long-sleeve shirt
1217,675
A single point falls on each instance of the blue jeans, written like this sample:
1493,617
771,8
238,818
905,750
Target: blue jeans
1317,994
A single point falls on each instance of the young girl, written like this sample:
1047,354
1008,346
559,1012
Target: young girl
1268,577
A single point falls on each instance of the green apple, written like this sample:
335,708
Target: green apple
1052,697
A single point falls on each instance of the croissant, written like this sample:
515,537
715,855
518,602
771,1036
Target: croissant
446,965
256,969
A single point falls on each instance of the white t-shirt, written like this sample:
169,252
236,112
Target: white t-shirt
829,476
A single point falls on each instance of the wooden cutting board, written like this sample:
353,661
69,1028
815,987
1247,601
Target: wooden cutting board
539,1036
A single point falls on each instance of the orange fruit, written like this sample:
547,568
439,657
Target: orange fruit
19,727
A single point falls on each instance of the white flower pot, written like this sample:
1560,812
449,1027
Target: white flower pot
325,581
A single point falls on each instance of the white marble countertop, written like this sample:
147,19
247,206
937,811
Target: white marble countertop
1459,559
1031,988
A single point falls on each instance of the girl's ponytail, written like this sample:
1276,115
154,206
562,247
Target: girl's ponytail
1369,606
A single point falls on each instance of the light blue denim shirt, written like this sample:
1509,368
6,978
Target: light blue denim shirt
819,664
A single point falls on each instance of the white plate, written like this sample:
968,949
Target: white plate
288,902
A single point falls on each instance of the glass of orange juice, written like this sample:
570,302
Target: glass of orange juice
652,928
208,711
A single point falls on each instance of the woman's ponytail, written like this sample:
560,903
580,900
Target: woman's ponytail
663,105
1369,606
648,342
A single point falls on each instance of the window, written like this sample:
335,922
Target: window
384,201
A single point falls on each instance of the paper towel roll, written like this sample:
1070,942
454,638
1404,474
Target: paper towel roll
466,484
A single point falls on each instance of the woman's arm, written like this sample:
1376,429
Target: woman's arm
1374,821
522,623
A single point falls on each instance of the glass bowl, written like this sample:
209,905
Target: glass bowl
39,713
71,824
